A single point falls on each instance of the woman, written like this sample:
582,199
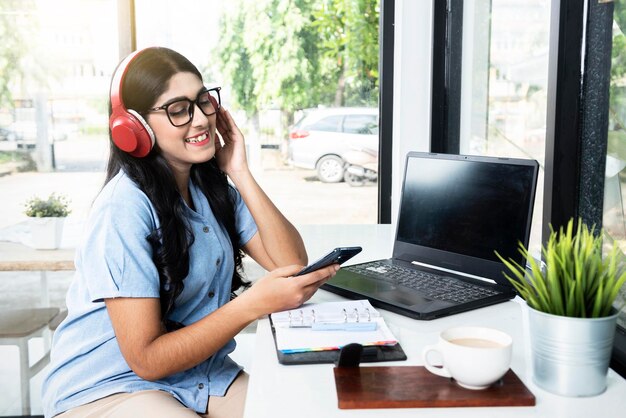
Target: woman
152,311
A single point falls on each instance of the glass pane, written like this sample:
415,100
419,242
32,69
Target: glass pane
504,84
56,68
282,62
328,124
56,60
360,124
614,219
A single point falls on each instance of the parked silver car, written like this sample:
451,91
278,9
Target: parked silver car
321,137
7,134
27,131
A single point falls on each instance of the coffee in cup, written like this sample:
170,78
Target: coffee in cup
476,357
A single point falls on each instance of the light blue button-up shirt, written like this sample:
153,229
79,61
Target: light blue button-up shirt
115,260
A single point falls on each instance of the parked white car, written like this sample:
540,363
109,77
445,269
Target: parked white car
27,131
321,137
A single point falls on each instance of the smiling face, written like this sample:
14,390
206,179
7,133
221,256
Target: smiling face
189,144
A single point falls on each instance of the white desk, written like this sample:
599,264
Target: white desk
309,391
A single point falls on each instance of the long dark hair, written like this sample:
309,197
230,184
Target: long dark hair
147,78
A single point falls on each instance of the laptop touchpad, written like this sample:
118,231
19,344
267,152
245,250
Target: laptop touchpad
379,289
404,298
360,284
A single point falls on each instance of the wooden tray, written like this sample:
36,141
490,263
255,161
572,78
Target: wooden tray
416,387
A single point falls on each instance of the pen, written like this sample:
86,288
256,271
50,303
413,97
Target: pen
344,326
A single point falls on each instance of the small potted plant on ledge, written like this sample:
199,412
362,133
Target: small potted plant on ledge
46,218
572,319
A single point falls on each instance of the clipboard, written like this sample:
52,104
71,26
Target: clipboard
370,354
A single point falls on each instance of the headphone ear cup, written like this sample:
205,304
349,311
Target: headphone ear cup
129,130
131,133
146,138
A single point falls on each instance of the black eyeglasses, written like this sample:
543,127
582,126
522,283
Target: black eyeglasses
180,111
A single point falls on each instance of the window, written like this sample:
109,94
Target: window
614,217
56,61
56,69
504,84
276,60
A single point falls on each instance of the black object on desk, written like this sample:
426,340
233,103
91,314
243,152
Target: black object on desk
350,355
369,354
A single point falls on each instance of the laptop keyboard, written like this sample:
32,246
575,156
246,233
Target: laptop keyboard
430,285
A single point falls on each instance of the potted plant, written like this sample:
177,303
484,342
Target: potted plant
46,218
572,319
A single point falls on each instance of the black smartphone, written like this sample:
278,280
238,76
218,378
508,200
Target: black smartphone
337,256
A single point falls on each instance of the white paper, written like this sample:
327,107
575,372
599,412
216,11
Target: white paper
294,335
333,312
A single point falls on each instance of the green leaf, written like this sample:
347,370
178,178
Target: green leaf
56,206
571,308
578,281
553,281
597,306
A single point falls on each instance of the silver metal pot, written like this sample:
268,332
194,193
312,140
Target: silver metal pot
571,356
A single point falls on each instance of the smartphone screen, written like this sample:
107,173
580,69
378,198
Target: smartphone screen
337,256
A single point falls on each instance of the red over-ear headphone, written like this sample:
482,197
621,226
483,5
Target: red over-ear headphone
129,130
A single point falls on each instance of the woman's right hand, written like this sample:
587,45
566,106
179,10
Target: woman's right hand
280,290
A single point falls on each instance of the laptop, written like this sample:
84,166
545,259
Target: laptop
455,212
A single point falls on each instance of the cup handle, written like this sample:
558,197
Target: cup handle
439,371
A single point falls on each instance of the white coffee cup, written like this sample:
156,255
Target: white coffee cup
475,357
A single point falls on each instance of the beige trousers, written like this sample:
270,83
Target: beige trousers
157,403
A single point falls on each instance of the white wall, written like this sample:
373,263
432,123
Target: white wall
412,86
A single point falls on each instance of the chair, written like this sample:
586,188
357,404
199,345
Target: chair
56,321
17,327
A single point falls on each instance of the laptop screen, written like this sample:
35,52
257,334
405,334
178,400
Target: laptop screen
467,205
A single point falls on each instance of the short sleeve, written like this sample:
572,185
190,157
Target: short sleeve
244,222
116,256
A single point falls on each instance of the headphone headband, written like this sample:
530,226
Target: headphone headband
118,79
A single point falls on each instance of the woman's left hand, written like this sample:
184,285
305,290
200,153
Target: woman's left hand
231,155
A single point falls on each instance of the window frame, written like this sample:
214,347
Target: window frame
446,76
385,109
577,112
